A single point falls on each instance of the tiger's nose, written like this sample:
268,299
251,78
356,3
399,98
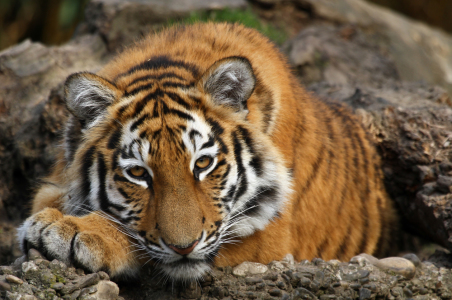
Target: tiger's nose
184,250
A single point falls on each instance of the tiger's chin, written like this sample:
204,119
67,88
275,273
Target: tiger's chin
186,269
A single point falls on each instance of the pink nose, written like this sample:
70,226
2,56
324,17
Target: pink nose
186,250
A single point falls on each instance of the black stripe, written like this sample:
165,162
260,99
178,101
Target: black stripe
118,178
139,122
322,247
180,114
230,195
158,77
219,164
114,139
342,250
86,165
114,159
159,62
102,173
176,98
139,106
124,194
263,196
256,161
177,84
218,130
216,127
209,143
139,89
315,169
243,183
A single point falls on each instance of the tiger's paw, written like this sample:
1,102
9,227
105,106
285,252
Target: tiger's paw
91,242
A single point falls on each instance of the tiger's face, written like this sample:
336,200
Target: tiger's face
175,161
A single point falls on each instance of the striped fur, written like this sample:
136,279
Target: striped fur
285,172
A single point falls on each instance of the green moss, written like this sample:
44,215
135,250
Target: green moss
60,278
243,16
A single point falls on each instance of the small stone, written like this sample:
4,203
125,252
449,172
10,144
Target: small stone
13,279
57,286
271,276
253,280
355,286
407,292
106,290
398,265
79,272
275,292
444,183
34,254
334,263
303,294
423,291
6,270
305,282
289,259
29,266
317,261
250,268
364,294
276,265
397,292
75,294
413,258
57,267
104,276
4,286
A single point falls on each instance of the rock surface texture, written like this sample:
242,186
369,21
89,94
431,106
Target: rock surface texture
349,51
364,277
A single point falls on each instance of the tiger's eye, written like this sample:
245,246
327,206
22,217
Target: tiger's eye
203,162
137,171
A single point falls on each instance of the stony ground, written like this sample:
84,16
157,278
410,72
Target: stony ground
364,277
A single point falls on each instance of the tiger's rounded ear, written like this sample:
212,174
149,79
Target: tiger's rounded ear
230,82
87,97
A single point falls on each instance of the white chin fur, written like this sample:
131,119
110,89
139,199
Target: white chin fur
186,272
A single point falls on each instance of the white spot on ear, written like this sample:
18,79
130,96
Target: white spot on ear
230,82
88,96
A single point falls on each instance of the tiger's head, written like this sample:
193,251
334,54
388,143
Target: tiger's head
175,157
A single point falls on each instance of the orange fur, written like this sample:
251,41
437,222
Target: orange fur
338,206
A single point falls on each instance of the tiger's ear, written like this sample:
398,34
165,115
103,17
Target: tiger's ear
230,82
87,97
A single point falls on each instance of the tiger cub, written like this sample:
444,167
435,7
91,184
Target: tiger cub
197,147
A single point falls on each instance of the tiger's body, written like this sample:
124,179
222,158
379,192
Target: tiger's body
196,136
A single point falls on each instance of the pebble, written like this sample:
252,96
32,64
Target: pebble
13,279
34,254
364,294
398,265
4,286
249,268
308,280
413,258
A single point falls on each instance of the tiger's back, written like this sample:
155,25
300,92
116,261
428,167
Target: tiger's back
201,134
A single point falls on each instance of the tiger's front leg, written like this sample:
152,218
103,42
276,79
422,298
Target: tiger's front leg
91,242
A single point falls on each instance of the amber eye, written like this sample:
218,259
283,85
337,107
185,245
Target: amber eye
137,171
203,162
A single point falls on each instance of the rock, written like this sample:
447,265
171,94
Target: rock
34,254
106,290
397,265
13,279
121,22
413,258
249,268
419,52
4,286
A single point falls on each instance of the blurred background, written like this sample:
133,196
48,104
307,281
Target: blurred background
53,22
